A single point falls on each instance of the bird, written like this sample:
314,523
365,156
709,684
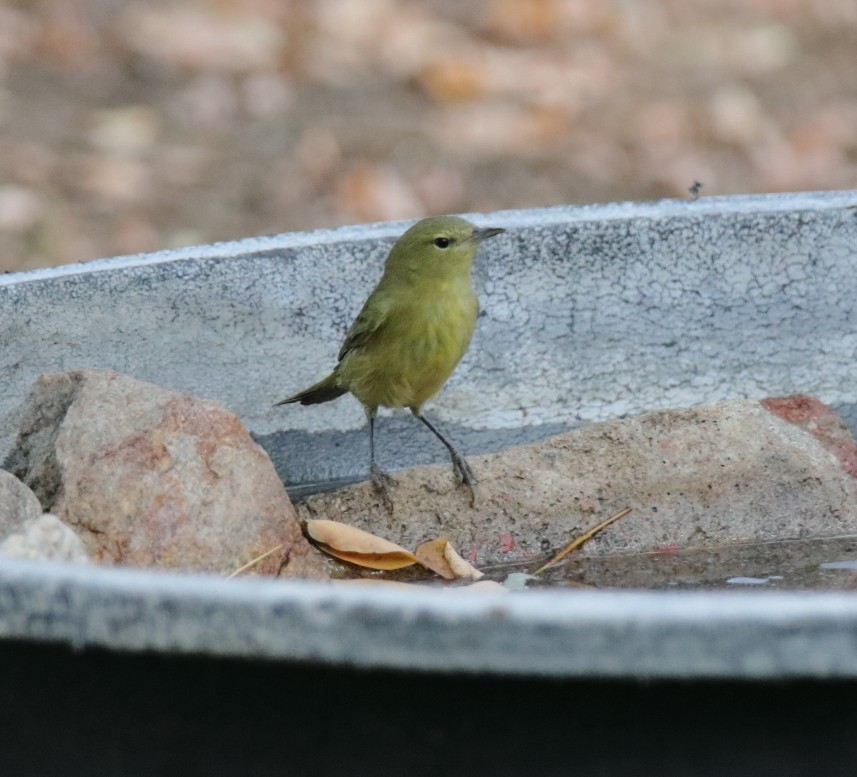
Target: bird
410,334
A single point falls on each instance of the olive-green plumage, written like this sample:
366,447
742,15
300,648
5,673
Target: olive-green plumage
412,330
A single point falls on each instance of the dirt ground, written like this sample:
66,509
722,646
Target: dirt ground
130,126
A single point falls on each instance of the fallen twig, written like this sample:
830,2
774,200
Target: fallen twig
585,537
254,561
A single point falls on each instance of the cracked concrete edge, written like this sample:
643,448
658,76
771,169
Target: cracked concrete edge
558,214
541,633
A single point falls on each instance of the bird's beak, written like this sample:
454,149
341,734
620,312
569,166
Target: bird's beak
483,234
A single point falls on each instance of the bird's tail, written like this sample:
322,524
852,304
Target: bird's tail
323,391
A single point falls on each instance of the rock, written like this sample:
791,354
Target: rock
822,422
47,538
151,477
705,476
18,504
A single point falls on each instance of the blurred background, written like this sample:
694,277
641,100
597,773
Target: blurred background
129,126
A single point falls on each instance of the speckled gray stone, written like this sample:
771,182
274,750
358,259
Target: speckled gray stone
46,538
18,504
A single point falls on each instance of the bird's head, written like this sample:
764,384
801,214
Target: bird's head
437,246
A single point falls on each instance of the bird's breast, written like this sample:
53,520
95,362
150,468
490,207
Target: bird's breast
416,350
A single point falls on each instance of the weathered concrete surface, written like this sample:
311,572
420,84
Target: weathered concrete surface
705,476
581,634
589,313
151,477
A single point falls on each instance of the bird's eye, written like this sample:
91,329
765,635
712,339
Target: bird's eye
442,242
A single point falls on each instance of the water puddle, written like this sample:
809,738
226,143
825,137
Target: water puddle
818,564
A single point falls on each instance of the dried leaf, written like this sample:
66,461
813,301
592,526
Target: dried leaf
440,557
430,555
460,567
357,546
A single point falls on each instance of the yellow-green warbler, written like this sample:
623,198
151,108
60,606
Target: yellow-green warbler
411,332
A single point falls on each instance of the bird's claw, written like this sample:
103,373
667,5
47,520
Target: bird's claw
381,482
464,476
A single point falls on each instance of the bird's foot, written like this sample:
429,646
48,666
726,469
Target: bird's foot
382,481
464,476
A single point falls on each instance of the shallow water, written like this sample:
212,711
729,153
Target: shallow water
818,564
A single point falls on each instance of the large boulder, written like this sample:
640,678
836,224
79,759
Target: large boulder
156,478
729,472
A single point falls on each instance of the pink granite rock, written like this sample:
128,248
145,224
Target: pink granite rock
705,476
821,421
151,477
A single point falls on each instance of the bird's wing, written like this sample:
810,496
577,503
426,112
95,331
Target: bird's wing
367,323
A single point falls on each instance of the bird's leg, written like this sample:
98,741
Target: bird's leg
380,479
463,474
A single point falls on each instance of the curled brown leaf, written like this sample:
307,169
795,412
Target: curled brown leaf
440,557
357,546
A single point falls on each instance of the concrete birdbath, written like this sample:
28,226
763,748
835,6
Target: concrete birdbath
590,314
